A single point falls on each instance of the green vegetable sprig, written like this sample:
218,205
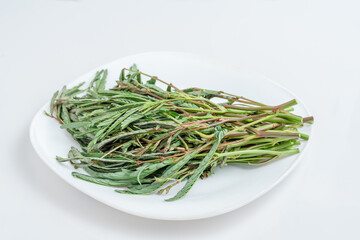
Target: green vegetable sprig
141,136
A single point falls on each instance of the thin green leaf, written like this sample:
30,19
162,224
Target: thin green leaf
131,119
52,102
129,175
102,81
75,125
152,81
101,181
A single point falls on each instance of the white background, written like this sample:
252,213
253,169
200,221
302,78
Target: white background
310,47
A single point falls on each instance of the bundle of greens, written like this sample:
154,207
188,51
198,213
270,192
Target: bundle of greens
139,136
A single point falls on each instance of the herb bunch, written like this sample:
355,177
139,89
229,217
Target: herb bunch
140,136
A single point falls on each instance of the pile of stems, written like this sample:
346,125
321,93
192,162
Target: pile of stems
146,138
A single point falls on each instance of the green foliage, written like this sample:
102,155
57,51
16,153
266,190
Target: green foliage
140,136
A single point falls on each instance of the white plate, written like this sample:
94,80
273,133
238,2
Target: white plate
229,188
